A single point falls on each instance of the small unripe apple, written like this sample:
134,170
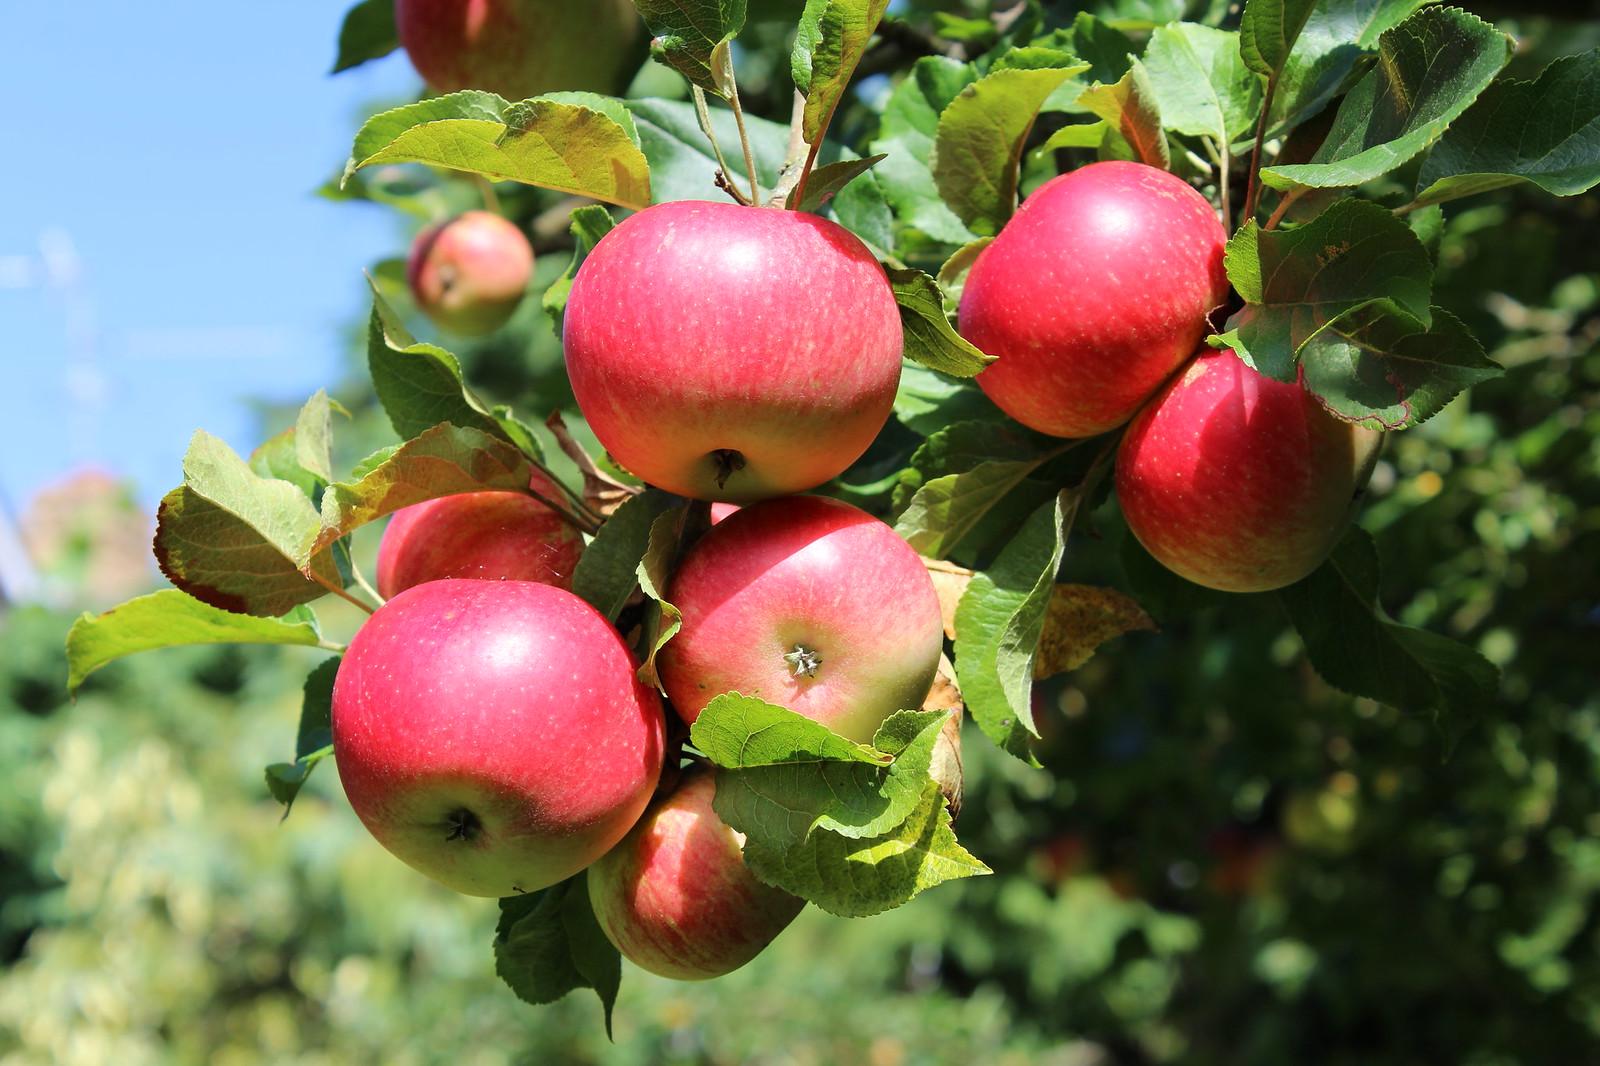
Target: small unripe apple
675,896
468,274
807,603
519,48
1095,291
492,734
732,353
491,536
1239,482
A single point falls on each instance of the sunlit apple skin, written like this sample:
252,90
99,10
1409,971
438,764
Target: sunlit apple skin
1092,295
468,274
492,734
491,536
696,330
519,48
1239,482
796,582
675,896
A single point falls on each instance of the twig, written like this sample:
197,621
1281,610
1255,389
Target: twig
341,593
795,156
583,525
1223,166
491,199
1283,205
1252,193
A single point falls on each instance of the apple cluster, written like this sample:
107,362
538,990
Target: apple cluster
490,726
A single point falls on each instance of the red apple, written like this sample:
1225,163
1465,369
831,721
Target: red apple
519,48
1238,482
492,734
468,274
1093,294
808,603
732,353
492,536
675,896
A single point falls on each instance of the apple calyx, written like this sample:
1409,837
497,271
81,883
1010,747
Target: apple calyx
462,824
728,461
804,661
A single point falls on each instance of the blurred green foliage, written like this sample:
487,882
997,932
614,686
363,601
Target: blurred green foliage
1224,862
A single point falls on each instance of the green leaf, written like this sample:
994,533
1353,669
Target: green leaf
1296,282
682,165
589,223
692,37
1385,370
930,339
1545,132
961,446
313,436
737,731
1129,107
238,541
548,943
276,457
1106,49
998,623
168,619
826,181
545,141
977,149
910,123
442,461
1268,30
1335,40
945,509
608,569
653,573
1201,84
368,32
928,401
1358,650
313,740
833,36
1430,69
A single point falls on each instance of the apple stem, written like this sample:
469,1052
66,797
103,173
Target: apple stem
342,594
491,199
1283,205
1223,165
744,139
581,524
361,583
703,114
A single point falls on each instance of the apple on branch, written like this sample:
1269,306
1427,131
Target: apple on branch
493,735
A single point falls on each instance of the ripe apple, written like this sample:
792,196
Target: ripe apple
732,353
492,734
808,603
1238,482
468,274
492,536
675,896
519,48
1093,294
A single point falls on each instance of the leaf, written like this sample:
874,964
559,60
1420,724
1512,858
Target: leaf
826,181
313,740
977,149
238,541
1355,648
548,943
736,731
1335,40
1080,618
1386,371
945,509
653,572
442,461
276,457
930,339
1201,84
1129,106
962,446
589,223
368,32
1430,69
909,125
832,38
692,37
1296,282
682,165
602,493
313,437
545,141
1106,49
1268,30
607,571
168,619
998,625
1545,132
928,401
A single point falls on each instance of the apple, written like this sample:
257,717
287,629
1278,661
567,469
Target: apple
492,734
519,48
493,536
1095,291
675,896
732,353
807,603
1238,482
468,274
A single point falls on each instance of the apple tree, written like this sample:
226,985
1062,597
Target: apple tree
856,365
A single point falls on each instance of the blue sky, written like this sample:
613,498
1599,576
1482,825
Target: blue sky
163,257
